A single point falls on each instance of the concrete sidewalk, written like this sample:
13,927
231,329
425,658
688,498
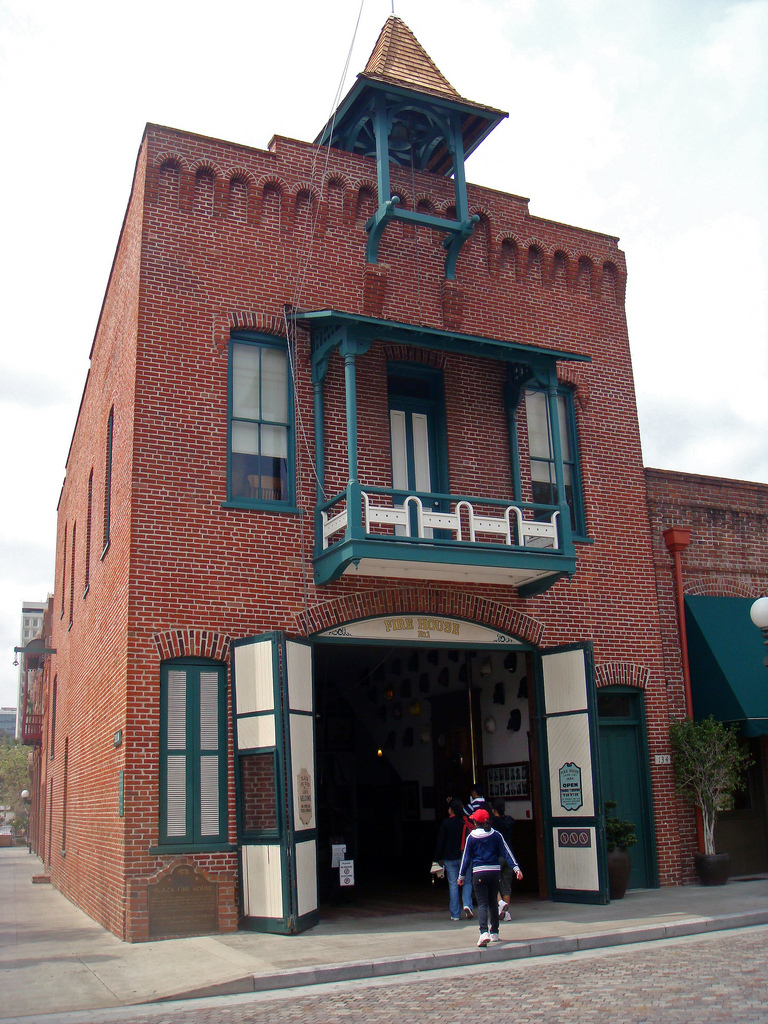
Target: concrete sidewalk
55,958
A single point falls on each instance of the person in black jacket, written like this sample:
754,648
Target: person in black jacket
483,850
448,853
503,823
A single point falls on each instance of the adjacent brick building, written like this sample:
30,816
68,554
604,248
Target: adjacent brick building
354,511
720,530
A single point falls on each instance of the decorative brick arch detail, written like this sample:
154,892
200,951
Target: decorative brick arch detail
244,320
192,643
507,242
408,354
720,586
622,673
574,376
409,600
612,272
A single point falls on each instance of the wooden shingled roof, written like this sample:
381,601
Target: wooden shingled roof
400,59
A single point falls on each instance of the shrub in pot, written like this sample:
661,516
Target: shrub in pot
708,766
619,835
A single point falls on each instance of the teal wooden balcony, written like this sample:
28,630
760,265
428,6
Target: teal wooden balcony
407,533
373,531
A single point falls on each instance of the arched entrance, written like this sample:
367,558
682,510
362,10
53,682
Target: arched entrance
365,729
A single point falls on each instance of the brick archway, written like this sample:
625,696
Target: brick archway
622,673
409,600
192,643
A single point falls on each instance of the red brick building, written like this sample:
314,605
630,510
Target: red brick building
716,529
354,513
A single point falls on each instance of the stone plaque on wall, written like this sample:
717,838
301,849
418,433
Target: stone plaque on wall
182,903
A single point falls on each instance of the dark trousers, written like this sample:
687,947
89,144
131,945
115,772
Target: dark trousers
485,885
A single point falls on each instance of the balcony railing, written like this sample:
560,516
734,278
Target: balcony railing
32,728
379,531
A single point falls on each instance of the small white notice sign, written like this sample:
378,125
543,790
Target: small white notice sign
338,853
347,872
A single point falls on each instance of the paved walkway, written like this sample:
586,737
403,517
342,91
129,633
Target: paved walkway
53,957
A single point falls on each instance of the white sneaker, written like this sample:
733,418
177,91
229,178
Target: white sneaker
503,907
484,939
507,916
495,937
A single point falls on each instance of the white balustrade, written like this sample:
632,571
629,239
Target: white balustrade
532,533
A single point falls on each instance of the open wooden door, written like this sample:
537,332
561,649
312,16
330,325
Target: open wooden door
274,738
574,829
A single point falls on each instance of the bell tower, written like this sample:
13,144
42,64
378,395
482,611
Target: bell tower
403,111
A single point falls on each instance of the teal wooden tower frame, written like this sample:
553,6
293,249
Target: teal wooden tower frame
393,117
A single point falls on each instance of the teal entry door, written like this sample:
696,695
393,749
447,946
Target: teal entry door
625,777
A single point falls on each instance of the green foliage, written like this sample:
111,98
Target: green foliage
709,766
14,773
619,834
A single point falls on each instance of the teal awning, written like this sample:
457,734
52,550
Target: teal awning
725,650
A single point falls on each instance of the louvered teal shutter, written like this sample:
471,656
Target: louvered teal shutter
209,754
176,755
193,754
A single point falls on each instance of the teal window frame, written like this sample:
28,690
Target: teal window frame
192,753
108,482
287,501
578,521
428,396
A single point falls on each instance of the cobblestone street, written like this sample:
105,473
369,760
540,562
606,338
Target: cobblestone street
715,979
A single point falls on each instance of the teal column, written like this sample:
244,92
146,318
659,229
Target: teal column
557,456
381,129
514,452
319,411
459,181
348,350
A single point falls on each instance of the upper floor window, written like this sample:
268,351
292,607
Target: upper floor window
260,426
541,454
108,481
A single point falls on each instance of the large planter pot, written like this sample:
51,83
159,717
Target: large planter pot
712,868
619,867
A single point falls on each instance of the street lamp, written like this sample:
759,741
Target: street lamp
759,615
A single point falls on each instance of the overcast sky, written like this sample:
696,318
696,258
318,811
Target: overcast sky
645,120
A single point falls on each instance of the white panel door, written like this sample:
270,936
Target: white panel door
571,776
274,732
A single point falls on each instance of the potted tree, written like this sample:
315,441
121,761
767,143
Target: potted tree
709,767
619,835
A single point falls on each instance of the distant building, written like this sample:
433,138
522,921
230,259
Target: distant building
31,624
8,721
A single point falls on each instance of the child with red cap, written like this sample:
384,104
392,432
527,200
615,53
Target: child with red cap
483,849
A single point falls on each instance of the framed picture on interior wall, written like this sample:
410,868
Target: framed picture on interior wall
510,781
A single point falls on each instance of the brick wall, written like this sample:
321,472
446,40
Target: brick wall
727,556
217,235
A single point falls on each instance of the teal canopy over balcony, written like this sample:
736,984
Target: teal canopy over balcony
374,531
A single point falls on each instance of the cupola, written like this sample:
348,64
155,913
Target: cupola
402,110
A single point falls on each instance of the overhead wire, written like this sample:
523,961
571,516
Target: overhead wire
310,222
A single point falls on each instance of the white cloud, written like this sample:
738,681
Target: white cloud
644,120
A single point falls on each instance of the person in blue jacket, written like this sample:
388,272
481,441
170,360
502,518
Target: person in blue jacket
483,851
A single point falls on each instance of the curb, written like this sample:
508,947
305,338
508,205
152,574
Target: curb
358,970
